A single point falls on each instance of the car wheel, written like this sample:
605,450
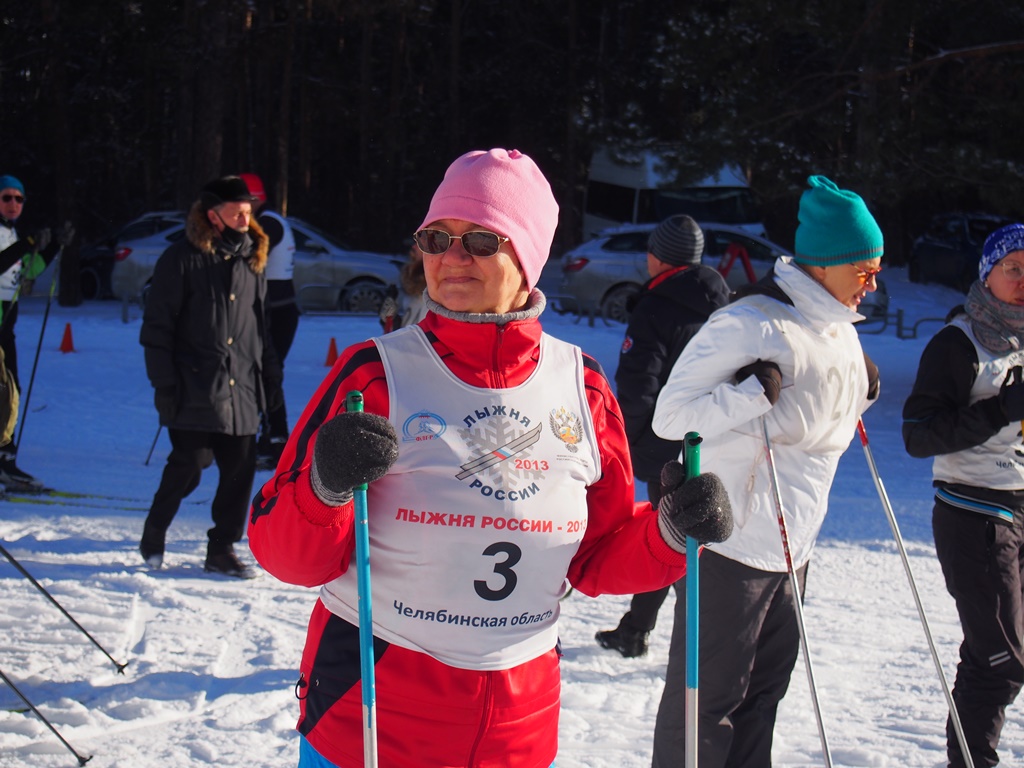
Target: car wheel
90,284
613,305
362,296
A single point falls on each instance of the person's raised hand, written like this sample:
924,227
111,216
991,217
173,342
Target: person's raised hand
698,507
351,449
767,374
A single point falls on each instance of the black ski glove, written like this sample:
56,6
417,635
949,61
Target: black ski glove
767,373
65,234
1011,395
41,239
351,449
274,394
874,385
698,508
166,401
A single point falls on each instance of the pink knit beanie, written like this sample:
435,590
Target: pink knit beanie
503,191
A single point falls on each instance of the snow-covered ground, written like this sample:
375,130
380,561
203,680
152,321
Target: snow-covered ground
212,661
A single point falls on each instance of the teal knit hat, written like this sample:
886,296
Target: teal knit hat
835,226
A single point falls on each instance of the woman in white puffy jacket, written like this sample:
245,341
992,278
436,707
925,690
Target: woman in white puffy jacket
786,352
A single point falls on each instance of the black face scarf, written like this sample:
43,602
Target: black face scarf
233,241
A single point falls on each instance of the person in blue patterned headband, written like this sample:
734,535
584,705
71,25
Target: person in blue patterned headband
1001,242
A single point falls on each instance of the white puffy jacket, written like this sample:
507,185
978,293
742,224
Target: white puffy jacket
824,392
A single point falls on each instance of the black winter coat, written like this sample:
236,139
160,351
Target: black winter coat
204,330
667,313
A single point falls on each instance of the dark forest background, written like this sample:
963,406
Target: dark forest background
351,110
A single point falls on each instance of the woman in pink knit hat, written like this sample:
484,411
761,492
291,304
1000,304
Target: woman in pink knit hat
498,476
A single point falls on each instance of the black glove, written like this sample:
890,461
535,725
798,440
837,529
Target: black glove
874,385
698,508
65,234
41,239
351,449
1011,395
166,401
767,373
274,392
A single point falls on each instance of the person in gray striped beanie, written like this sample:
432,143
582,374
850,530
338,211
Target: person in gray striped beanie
678,241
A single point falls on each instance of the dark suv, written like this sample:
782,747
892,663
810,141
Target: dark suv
948,252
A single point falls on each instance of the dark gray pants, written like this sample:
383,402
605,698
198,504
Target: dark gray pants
982,562
749,641
644,607
191,453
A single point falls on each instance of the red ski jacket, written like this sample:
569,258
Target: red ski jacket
430,713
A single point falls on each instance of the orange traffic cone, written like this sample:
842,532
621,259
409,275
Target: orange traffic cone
67,344
332,353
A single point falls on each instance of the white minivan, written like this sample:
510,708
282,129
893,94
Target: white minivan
642,188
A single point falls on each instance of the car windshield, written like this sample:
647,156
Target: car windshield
305,232
717,241
628,242
726,205
980,229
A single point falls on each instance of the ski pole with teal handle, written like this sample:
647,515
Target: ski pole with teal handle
691,467
354,404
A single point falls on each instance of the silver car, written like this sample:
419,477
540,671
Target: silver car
603,274
328,276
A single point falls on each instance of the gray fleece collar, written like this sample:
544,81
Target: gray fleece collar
534,306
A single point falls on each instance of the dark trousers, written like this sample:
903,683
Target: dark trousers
8,317
644,607
982,562
191,453
749,641
9,310
282,325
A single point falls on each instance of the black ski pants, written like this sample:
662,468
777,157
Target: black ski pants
644,607
191,453
9,310
983,562
283,322
749,639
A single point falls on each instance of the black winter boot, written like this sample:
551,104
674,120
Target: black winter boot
628,641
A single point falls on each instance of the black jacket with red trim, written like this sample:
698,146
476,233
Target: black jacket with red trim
663,318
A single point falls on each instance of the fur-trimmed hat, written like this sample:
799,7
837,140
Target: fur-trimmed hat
226,189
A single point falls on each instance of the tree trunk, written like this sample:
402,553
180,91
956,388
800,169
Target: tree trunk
58,126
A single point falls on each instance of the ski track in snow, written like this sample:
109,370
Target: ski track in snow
213,661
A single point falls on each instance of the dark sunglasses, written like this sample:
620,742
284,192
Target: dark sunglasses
15,198
437,241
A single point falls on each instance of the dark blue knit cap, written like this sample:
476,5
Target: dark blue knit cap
998,245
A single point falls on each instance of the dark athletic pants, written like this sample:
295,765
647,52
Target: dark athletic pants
191,453
283,314
982,562
644,607
749,640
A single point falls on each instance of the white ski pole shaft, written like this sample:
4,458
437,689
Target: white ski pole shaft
797,600
954,716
